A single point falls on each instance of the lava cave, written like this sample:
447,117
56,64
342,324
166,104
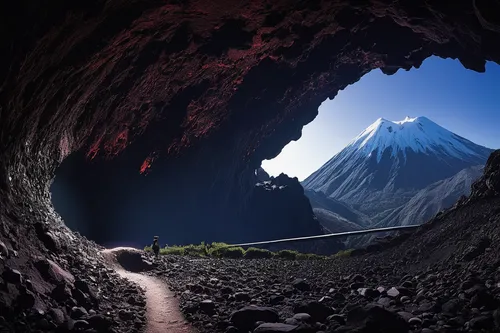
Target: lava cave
184,100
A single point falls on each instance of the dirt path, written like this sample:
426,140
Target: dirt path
162,309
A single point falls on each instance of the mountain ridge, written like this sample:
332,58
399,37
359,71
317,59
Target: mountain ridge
435,197
373,173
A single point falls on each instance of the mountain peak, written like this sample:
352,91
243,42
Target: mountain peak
390,159
409,119
418,134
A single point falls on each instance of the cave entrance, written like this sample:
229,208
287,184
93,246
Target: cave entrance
346,195
112,203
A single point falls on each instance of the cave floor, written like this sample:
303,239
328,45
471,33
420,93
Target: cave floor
446,278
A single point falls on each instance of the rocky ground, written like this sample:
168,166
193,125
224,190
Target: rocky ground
67,288
445,278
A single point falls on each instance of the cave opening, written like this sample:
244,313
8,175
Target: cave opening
442,98
206,99
113,203
199,94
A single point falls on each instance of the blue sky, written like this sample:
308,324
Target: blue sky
462,101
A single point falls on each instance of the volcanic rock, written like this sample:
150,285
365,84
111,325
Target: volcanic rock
26,300
207,306
61,292
451,307
78,312
57,316
318,311
100,322
301,284
393,292
276,328
481,323
248,316
12,276
117,89
375,316
4,252
52,272
133,261
302,317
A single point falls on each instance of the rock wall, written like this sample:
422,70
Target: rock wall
198,92
197,88
489,184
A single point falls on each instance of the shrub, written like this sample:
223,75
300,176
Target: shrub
215,248
343,253
256,253
224,251
196,250
287,254
175,250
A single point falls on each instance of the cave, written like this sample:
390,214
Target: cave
186,99
114,203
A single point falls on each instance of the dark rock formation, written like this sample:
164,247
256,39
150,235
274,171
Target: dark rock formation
262,175
133,261
489,184
200,97
278,208
72,288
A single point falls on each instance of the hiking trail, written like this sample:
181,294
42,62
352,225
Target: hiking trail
162,308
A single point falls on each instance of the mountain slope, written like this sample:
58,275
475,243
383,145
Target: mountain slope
334,215
333,222
434,198
389,162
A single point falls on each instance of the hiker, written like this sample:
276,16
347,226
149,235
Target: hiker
156,246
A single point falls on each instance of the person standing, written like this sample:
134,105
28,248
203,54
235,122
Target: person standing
156,246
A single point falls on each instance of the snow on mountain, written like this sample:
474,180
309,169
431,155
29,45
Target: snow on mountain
420,135
386,164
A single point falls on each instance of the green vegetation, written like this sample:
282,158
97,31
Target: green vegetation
287,254
256,253
228,252
223,250
176,250
343,253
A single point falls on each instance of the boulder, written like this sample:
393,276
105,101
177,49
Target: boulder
12,276
318,311
374,318
133,261
275,328
246,317
52,272
301,284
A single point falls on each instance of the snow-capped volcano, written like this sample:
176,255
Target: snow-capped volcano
419,135
390,160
